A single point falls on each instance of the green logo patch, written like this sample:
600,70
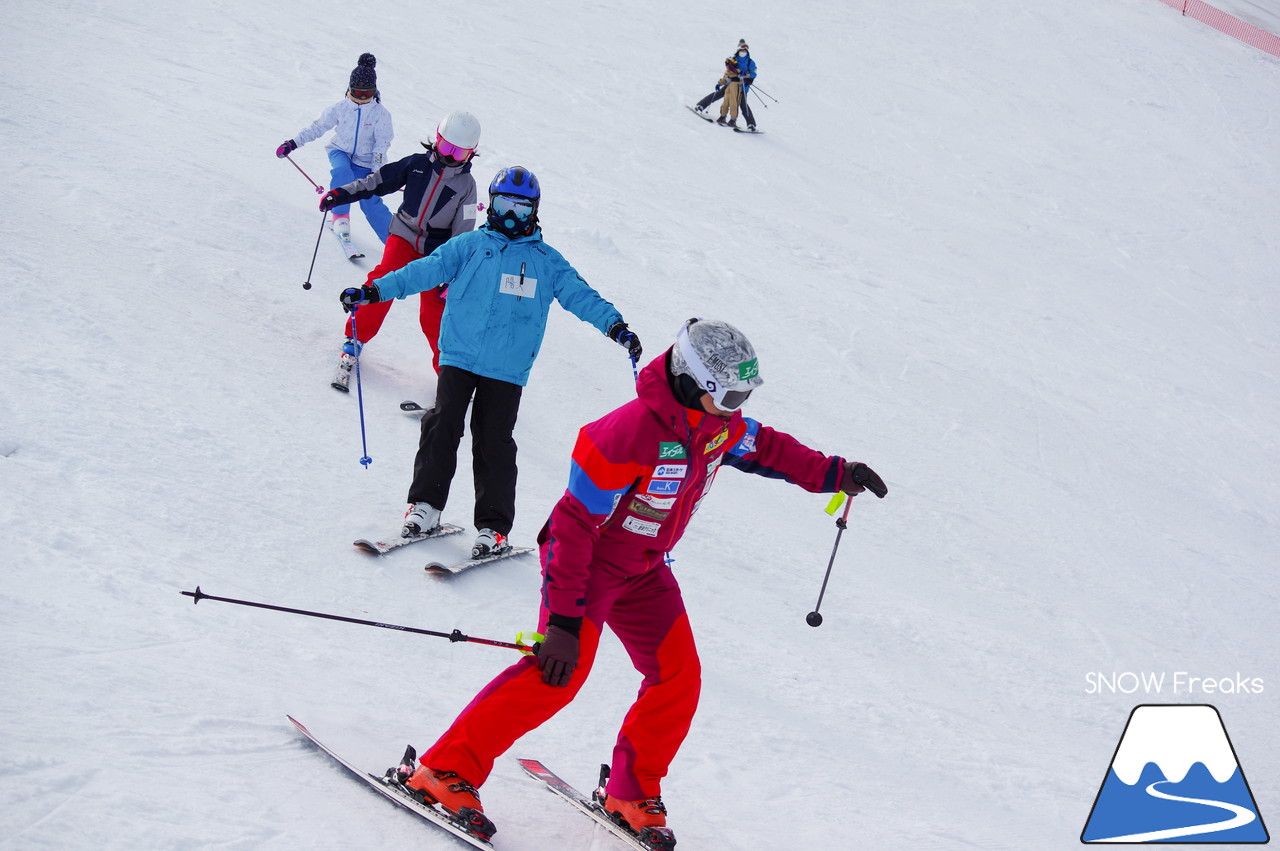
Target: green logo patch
669,450
749,370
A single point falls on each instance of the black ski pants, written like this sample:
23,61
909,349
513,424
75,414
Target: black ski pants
493,449
742,105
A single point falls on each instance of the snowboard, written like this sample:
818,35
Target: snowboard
379,548
395,793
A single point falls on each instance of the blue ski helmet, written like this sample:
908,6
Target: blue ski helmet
513,202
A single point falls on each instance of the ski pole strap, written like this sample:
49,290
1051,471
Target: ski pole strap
836,501
534,639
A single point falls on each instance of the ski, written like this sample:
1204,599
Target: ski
747,130
397,794
648,839
344,239
412,407
379,548
701,115
441,569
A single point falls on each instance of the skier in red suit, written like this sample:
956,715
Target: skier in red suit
638,475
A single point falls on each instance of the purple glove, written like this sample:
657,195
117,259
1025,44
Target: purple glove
287,147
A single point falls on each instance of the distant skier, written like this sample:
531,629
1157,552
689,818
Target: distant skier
637,476
439,203
746,75
502,279
359,145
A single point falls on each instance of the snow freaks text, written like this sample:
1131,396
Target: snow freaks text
1175,683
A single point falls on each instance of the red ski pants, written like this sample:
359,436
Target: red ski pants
395,255
646,612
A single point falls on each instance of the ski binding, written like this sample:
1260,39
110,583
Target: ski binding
647,839
378,548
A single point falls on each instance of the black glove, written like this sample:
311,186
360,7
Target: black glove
353,296
859,477
334,198
287,147
558,656
625,337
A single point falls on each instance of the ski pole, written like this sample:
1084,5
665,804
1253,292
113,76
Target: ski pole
364,443
319,188
759,90
762,103
306,285
814,618
198,595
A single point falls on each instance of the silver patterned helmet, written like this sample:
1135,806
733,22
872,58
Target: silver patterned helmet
719,358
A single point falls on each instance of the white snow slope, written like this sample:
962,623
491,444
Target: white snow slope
1020,258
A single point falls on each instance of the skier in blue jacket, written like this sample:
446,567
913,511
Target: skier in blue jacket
502,279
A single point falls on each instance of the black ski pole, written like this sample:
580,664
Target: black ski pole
199,595
761,91
306,285
814,618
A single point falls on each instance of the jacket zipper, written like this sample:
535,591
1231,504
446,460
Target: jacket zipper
356,147
426,206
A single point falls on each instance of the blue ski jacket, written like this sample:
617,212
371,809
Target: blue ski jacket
500,294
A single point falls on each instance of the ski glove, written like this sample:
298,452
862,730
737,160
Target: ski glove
334,198
859,477
351,297
287,147
625,337
558,656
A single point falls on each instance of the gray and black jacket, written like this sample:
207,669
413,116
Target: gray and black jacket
439,200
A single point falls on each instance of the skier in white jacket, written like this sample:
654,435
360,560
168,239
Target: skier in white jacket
362,136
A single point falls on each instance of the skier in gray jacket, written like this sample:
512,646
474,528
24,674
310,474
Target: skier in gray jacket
439,203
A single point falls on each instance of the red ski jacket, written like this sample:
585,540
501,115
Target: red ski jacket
639,474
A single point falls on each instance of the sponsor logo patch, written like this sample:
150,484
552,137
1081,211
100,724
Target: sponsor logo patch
646,511
669,487
641,527
671,471
716,442
660,503
749,370
669,451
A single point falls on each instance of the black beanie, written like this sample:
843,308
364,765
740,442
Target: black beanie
364,77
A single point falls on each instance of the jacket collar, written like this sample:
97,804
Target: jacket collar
685,423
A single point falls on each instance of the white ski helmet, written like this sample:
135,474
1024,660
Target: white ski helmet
719,358
460,128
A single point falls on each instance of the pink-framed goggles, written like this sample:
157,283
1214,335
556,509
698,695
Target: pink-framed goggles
445,148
